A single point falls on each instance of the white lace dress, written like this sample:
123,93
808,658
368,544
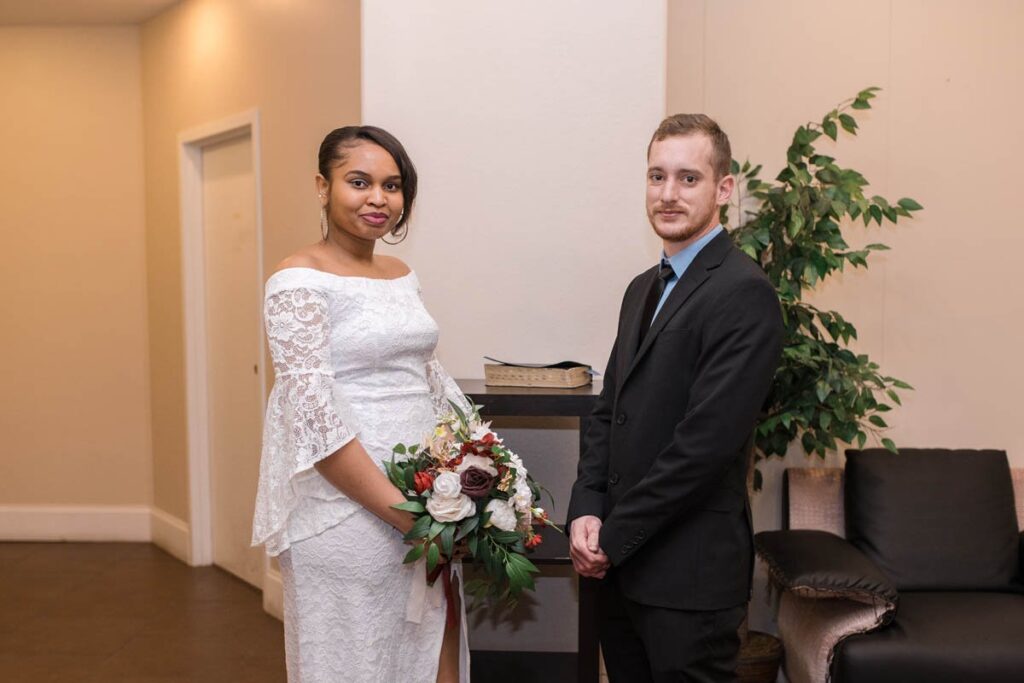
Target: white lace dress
353,359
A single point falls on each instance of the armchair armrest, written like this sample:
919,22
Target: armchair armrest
818,564
831,591
1020,545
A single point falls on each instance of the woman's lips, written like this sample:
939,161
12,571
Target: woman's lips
375,218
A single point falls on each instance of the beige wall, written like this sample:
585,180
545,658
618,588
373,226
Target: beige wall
202,61
74,405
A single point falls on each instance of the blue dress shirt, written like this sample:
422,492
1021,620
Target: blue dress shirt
680,262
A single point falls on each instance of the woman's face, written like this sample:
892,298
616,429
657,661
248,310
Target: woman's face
364,197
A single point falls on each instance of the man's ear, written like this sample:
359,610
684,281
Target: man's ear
725,187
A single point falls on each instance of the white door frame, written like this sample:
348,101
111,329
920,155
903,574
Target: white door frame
190,156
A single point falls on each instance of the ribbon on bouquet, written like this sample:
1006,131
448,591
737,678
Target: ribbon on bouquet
418,594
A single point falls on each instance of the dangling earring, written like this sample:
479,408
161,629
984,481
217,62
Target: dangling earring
323,220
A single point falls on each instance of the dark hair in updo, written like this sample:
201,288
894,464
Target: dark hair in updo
332,151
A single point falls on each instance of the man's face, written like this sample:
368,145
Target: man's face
683,194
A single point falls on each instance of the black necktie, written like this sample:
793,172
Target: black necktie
665,273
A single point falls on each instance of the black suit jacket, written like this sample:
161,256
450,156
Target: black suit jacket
665,459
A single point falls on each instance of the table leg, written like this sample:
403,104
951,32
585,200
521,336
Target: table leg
588,668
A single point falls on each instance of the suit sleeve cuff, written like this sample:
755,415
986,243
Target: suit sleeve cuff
585,502
618,544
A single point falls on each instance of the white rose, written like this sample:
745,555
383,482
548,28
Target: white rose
503,515
481,462
447,485
450,509
523,497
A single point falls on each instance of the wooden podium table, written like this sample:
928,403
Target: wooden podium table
536,402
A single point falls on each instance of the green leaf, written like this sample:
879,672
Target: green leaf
861,439
419,528
909,204
448,539
901,385
877,421
433,557
412,506
505,537
414,554
796,223
399,448
848,123
472,543
889,445
830,129
436,527
894,396
860,104
467,527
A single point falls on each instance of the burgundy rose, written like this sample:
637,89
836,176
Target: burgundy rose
476,483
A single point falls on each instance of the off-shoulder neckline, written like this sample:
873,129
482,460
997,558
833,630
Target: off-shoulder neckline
343,277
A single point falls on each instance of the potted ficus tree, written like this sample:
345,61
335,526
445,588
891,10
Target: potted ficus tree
823,393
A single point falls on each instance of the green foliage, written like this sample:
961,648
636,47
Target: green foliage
823,393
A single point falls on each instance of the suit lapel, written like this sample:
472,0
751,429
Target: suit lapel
637,312
709,258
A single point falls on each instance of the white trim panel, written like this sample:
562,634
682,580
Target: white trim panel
171,534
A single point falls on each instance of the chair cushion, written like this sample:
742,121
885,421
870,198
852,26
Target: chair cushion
934,519
940,638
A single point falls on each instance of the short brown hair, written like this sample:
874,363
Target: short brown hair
689,124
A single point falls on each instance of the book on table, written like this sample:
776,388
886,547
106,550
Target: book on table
566,374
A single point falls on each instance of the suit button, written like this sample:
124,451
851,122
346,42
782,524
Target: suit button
620,419
613,479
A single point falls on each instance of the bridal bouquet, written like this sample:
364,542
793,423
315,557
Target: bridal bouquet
471,496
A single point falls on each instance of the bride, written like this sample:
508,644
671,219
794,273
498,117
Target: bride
355,373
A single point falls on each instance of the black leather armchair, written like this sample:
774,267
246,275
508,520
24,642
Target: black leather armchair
903,568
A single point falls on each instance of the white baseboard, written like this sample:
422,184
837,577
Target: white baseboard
75,523
171,534
273,594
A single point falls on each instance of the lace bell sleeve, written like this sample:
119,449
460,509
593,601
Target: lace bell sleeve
443,389
303,424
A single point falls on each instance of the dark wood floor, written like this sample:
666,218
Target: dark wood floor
120,612
130,613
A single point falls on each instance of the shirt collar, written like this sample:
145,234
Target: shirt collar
684,257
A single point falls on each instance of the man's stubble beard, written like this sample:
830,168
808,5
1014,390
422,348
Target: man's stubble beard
688,231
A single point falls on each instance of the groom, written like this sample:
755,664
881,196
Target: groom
659,509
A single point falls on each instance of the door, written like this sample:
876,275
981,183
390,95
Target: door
234,354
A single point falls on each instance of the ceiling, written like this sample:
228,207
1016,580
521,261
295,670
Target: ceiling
35,12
